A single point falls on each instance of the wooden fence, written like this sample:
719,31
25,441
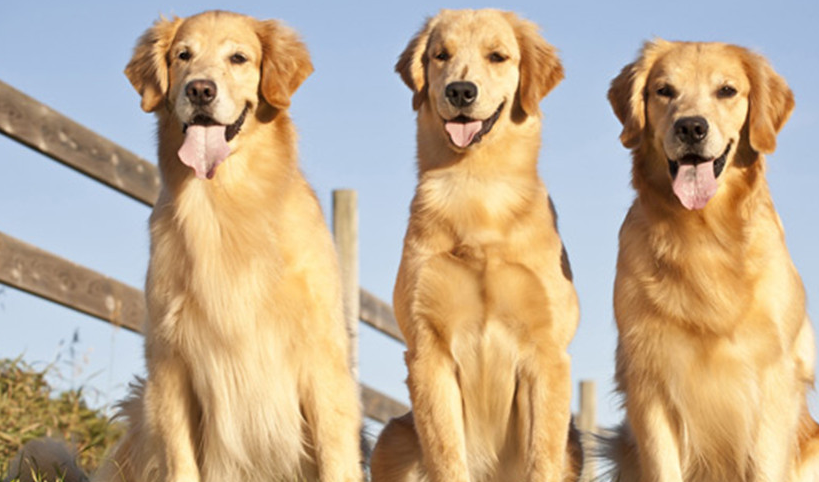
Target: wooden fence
48,276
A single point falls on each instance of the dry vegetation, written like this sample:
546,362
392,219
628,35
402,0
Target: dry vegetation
29,409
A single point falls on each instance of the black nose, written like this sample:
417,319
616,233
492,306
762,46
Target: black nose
691,130
461,94
201,92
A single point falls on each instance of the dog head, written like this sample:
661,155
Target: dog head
693,107
473,68
213,72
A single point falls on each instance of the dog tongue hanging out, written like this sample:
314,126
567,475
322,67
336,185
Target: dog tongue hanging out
204,149
462,133
695,184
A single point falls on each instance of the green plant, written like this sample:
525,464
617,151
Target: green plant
29,410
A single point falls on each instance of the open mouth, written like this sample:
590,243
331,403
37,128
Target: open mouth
694,178
206,143
207,121
695,159
464,131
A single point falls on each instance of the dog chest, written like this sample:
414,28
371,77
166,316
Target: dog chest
486,363
719,390
491,315
250,412
478,207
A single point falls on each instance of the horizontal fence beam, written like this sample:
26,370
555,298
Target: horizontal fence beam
379,315
48,276
45,130
380,407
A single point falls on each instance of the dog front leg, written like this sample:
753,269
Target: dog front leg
333,414
171,414
437,407
776,440
547,392
658,447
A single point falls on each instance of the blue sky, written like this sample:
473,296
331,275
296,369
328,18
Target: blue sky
357,130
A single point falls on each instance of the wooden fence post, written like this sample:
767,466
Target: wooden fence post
345,232
587,423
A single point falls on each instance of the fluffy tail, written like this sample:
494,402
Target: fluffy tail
807,465
617,454
45,460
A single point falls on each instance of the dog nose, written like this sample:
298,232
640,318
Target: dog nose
201,91
461,94
691,130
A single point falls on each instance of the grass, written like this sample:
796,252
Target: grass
29,409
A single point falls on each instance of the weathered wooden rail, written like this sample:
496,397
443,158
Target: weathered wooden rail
48,276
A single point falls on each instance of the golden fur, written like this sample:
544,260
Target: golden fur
715,349
484,296
246,350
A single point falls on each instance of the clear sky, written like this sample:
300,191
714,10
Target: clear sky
357,130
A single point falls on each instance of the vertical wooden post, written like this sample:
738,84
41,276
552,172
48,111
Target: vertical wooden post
345,231
587,423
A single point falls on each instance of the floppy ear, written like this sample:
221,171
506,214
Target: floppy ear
627,93
285,62
148,68
540,67
412,62
770,103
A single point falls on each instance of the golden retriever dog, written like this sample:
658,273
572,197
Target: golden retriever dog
484,296
715,349
246,349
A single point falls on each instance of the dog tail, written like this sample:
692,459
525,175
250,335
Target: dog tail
807,466
617,453
45,460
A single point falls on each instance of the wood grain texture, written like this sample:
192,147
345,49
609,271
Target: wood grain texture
47,131
43,274
379,315
345,233
380,407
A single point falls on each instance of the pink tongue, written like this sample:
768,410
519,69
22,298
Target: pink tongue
695,184
204,149
462,133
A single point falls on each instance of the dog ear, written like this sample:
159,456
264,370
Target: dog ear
627,93
412,63
148,67
770,103
285,62
540,67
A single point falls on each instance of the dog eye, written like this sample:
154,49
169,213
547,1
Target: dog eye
497,58
726,92
184,55
443,56
666,91
238,59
